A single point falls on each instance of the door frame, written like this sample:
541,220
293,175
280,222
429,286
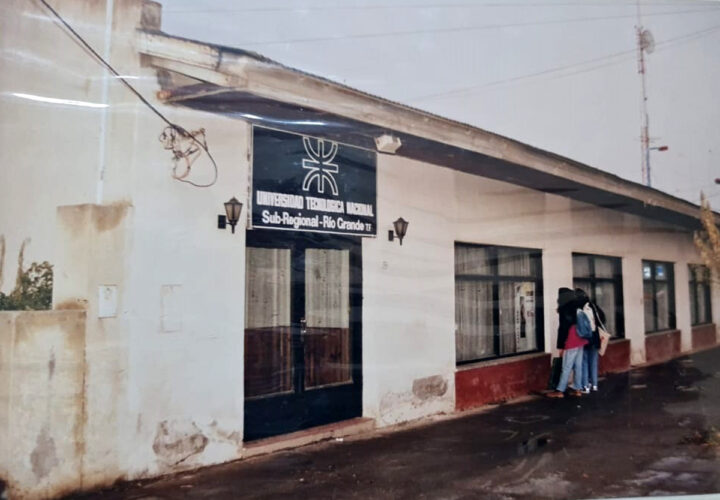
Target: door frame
276,414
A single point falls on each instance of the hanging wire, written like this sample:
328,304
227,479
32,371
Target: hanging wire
619,56
173,136
184,148
461,29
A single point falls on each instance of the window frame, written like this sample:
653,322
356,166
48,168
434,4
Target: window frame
670,280
616,280
495,279
693,283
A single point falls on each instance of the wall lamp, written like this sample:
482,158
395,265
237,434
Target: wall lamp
233,208
400,230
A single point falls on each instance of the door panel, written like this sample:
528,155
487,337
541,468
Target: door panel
302,332
326,336
327,357
268,333
269,369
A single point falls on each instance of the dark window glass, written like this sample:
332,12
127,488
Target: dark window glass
601,278
608,295
472,261
700,305
474,306
658,296
515,262
498,301
581,266
605,267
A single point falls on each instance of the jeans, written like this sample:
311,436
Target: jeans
572,361
590,367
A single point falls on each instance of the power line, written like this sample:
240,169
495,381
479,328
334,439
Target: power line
172,126
521,77
622,55
689,36
301,8
465,28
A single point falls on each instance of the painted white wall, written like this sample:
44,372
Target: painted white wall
48,152
41,411
145,377
185,294
408,293
182,290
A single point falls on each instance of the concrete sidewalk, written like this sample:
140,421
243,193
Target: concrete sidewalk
653,431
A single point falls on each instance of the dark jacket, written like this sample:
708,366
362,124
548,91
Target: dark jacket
567,315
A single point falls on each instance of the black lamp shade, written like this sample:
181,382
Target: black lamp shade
400,228
232,210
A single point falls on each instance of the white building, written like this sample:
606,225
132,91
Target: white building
174,344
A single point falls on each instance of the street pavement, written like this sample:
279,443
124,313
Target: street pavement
653,431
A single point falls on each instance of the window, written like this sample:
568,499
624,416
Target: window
658,296
700,310
601,278
498,301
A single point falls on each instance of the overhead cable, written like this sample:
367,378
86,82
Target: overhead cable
191,136
397,6
460,29
622,55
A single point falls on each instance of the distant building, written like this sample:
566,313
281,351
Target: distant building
174,344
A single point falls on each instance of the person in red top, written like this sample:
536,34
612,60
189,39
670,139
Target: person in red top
572,346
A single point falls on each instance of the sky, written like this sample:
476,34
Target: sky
561,75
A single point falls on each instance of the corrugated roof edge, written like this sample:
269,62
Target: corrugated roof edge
534,149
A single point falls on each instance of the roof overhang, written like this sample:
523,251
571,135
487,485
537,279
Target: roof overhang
250,87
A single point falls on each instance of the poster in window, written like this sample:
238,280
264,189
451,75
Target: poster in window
525,316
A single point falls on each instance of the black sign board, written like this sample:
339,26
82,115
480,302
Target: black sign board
302,183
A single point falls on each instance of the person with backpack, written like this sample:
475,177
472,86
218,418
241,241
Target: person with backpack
573,333
596,317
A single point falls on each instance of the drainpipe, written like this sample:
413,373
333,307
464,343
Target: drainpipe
104,113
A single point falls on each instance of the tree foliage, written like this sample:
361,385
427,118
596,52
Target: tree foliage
707,240
33,290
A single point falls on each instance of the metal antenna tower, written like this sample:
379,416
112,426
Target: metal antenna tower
645,43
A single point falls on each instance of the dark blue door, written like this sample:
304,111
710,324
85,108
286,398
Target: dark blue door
302,331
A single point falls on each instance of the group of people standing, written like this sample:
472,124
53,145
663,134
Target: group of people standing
578,341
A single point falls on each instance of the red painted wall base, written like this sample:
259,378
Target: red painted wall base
663,346
704,336
501,380
616,358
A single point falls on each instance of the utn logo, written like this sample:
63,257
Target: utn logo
319,164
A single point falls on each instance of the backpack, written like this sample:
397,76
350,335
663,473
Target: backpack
584,328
